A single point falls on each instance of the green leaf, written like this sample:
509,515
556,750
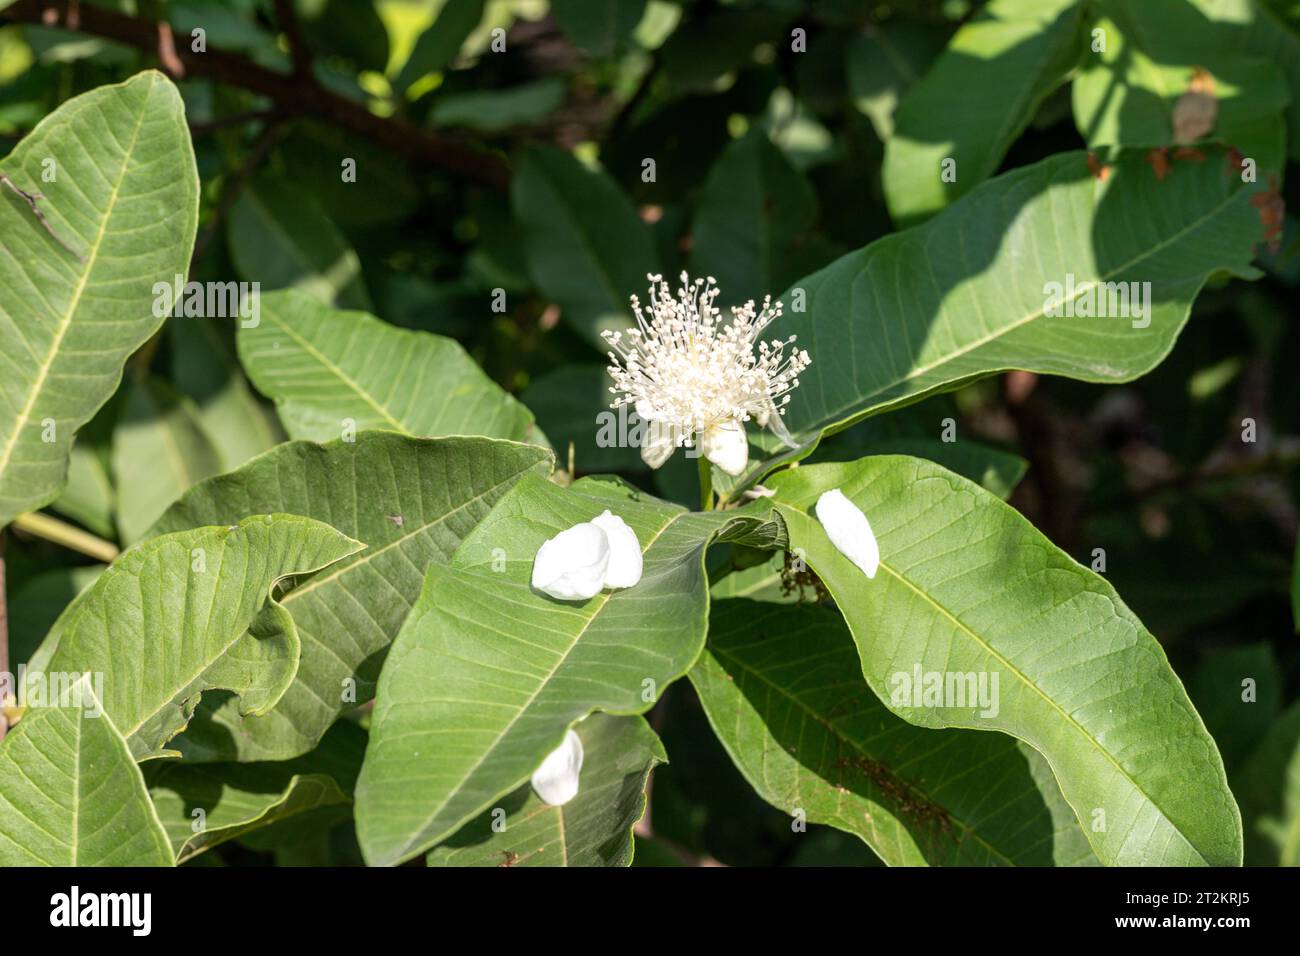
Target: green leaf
412,501
600,27
1243,28
494,110
124,198
783,691
587,249
438,45
882,65
968,294
73,795
487,674
280,238
160,448
1126,95
239,798
188,612
752,222
1270,787
592,829
967,586
330,372
976,99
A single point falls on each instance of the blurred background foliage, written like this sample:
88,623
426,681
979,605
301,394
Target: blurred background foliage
501,146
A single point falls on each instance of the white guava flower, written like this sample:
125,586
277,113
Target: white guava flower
691,377
624,551
849,530
556,780
572,565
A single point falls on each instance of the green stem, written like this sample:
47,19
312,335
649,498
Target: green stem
706,484
69,536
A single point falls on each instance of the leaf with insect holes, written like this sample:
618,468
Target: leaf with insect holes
411,500
190,612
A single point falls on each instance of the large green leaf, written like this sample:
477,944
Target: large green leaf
783,690
966,586
487,674
115,171
326,369
966,294
587,249
1128,94
592,829
160,448
411,500
278,237
189,612
976,99
1237,27
237,798
72,794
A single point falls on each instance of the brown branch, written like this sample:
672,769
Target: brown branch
290,95
288,20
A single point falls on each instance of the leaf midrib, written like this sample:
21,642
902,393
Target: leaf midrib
1024,679
65,322
419,832
338,373
863,402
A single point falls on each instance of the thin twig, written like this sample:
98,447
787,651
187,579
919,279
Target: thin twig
69,536
289,95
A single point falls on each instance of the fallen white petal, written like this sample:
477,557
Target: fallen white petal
556,780
572,565
624,551
849,530
725,444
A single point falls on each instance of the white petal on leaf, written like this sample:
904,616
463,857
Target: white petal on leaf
624,551
572,565
556,780
849,530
